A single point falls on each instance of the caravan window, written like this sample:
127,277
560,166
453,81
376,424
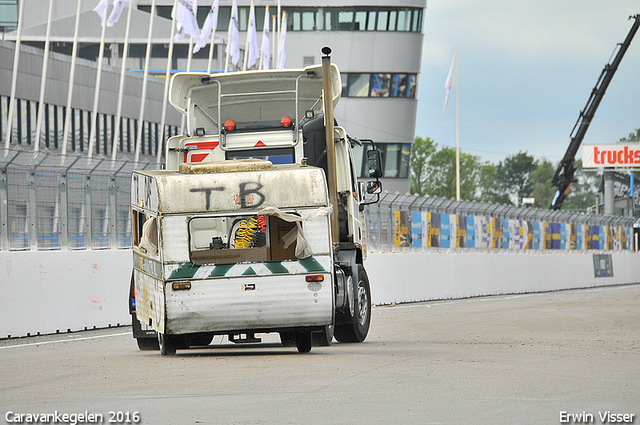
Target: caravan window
237,239
145,232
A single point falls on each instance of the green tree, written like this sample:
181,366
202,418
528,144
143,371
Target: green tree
631,138
543,191
584,191
441,179
514,175
489,186
433,171
421,152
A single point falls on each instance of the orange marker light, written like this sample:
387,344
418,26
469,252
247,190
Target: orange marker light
315,278
229,125
286,121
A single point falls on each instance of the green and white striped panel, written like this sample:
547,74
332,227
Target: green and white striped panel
311,264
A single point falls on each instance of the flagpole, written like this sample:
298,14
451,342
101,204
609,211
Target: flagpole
457,134
74,55
123,73
43,80
279,27
247,43
279,24
273,41
143,96
14,77
226,59
189,57
265,37
282,54
167,78
212,46
228,52
96,93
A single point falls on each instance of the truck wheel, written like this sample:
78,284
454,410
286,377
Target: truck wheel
324,337
147,344
358,332
303,342
167,343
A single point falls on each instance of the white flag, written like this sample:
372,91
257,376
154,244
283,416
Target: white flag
184,13
450,80
282,48
233,43
265,48
210,24
101,10
118,7
252,39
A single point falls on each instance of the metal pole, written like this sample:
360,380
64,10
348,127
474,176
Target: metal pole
331,148
167,78
14,76
143,96
457,134
4,205
631,194
189,57
273,42
96,93
43,79
609,201
72,73
123,73
213,36
277,37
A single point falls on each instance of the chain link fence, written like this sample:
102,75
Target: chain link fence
56,202
409,223
50,201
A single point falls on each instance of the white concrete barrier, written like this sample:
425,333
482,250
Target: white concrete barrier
406,277
60,291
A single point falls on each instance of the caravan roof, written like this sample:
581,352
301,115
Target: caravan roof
209,100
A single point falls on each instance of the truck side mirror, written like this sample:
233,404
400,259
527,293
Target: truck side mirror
374,187
374,162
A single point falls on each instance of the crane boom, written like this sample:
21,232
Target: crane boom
563,178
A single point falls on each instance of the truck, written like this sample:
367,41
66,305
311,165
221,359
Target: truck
256,225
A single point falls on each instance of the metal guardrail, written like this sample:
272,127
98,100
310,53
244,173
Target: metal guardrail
50,201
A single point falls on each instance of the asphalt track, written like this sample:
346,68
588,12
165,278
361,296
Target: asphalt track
524,359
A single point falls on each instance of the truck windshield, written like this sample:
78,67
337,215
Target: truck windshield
276,156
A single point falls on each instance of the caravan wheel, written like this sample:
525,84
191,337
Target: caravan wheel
168,344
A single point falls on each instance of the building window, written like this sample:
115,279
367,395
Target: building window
8,15
379,85
311,18
358,85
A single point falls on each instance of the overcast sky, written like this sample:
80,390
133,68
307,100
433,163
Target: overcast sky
526,69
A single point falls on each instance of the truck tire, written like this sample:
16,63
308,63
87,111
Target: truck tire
303,342
168,344
357,332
